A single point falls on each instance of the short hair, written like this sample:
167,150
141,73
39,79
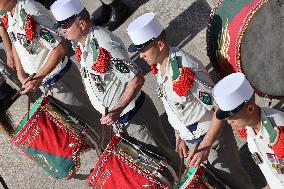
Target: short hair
162,36
84,15
252,99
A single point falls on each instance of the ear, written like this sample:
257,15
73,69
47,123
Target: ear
82,24
161,45
250,108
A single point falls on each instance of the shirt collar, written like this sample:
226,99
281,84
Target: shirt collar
260,134
86,47
169,71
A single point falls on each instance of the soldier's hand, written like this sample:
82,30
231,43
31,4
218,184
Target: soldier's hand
181,148
31,84
112,116
200,155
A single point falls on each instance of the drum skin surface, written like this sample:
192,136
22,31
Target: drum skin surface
247,36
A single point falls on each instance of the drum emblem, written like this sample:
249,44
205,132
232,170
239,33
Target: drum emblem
223,45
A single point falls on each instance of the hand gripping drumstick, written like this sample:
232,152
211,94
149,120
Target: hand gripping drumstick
192,154
21,89
182,162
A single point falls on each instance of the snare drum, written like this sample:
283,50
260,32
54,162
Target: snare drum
247,36
126,165
52,138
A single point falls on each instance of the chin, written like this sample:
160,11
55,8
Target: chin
239,127
69,38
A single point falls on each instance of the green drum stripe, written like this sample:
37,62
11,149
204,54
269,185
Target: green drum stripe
189,173
56,166
32,111
229,9
224,14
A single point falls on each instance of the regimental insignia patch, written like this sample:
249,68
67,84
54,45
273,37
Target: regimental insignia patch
122,67
205,98
46,35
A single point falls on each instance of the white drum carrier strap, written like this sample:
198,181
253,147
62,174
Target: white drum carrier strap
274,180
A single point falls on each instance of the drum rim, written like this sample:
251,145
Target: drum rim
238,45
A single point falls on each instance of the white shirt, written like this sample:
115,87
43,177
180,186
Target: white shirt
113,81
259,143
34,55
188,109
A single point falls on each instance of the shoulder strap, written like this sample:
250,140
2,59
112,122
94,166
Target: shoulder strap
269,128
176,72
175,67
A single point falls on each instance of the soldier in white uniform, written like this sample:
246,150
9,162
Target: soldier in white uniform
263,126
38,48
111,79
184,86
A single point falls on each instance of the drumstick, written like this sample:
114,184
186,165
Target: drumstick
180,170
192,154
103,131
21,89
194,150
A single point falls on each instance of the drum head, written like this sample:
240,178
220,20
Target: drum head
262,52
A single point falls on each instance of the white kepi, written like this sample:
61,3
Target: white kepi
144,29
232,91
64,9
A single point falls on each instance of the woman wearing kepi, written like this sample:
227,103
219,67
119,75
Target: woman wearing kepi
111,79
261,126
184,86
